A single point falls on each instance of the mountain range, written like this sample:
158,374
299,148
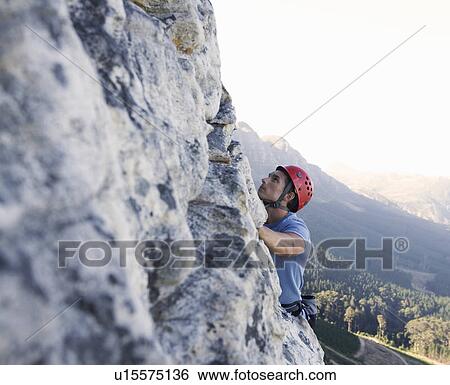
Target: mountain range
427,197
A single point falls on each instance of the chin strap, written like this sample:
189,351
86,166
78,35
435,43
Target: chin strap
277,203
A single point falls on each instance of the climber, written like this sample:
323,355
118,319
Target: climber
284,192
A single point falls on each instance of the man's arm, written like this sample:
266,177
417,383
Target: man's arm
282,244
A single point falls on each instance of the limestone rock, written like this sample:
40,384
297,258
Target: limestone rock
224,125
106,108
192,28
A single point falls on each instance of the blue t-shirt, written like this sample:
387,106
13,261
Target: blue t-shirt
291,274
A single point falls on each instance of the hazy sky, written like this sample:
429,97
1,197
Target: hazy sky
283,59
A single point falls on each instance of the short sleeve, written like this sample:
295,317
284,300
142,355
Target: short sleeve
297,227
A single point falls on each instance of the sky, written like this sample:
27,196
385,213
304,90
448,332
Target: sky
283,59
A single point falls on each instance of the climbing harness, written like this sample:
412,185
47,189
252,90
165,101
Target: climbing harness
305,308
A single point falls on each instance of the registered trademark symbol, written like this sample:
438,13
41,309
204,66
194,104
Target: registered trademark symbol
401,244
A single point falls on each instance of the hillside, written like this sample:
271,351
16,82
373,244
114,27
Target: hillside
423,196
344,348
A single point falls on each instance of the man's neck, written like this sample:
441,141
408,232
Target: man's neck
275,215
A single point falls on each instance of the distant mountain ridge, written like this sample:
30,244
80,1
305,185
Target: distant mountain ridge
424,196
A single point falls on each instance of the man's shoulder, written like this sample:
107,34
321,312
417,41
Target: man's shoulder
296,225
294,218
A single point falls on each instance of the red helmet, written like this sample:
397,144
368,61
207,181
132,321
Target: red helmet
303,184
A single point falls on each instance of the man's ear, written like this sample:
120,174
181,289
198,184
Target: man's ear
290,196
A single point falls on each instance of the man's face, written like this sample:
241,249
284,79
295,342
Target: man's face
272,186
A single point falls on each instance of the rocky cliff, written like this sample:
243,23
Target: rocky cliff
115,127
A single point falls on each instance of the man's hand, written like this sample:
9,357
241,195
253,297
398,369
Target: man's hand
282,244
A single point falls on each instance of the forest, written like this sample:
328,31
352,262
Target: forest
402,317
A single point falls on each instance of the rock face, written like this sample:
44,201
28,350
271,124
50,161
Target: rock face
115,126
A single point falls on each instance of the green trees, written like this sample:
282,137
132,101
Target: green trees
328,303
429,336
349,317
358,301
381,326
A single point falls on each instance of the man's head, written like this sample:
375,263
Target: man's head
273,186
288,188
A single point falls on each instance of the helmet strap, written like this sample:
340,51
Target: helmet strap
277,203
